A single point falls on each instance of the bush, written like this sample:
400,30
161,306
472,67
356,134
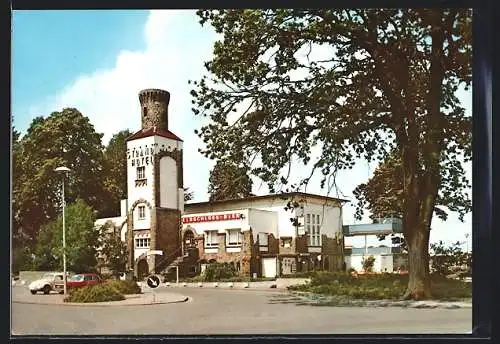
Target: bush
218,271
95,293
125,287
324,277
368,263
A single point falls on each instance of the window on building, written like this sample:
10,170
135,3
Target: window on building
286,242
234,237
142,242
142,212
313,225
141,172
211,239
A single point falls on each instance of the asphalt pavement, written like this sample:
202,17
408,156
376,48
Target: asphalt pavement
229,311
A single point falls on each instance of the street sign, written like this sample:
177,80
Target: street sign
159,252
153,281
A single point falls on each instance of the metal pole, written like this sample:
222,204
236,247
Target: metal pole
64,238
366,247
177,273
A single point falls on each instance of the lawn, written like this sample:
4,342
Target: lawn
381,286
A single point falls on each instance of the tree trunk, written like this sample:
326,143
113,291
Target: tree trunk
419,286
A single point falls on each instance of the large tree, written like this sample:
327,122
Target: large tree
352,83
65,138
382,195
82,240
228,180
115,172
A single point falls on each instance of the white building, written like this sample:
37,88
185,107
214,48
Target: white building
361,241
260,236
256,234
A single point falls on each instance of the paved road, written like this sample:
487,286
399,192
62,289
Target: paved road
217,311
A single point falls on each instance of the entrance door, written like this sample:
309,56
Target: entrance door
189,243
386,263
142,269
269,267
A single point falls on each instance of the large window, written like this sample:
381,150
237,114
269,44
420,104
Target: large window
211,239
141,172
142,212
142,242
313,224
234,237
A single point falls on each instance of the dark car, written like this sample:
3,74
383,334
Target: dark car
82,280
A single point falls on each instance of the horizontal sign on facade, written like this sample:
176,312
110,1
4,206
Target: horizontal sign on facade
208,218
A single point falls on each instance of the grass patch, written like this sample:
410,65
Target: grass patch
380,286
95,293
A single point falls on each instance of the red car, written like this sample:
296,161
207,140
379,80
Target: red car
82,280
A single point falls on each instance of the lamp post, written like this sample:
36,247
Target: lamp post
63,170
467,242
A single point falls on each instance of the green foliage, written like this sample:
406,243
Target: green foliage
201,278
351,82
82,241
113,250
383,194
22,259
367,263
115,172
446,260
218,272
65,138
380,286
95,293
229,180
125,287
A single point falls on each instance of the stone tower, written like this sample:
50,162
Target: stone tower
154,108
154,186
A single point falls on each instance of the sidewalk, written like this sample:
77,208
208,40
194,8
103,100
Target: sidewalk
147,298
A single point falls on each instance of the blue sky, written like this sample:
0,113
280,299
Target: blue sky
98,61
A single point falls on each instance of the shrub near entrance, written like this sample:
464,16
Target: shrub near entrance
95,293
125,287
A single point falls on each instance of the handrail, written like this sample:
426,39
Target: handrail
166,258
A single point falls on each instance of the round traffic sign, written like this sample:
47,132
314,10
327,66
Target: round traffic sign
153,281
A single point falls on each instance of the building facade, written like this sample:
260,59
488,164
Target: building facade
260,235
264,235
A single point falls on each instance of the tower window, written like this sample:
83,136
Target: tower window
145,111
141,172
142,212
142,242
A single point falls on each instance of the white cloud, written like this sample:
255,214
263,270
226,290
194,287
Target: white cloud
109,97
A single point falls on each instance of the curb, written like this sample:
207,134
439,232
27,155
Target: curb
180,299
103,304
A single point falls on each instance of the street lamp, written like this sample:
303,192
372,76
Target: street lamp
467,242
63,170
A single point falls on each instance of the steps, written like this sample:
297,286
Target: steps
177,262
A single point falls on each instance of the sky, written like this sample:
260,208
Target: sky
98,61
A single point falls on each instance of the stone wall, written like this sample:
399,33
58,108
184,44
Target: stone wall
246,257
154,108
167,228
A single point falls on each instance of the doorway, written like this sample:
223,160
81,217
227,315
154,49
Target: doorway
142,269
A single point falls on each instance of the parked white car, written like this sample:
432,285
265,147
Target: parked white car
50,281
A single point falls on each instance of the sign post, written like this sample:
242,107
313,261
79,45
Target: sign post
153,282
